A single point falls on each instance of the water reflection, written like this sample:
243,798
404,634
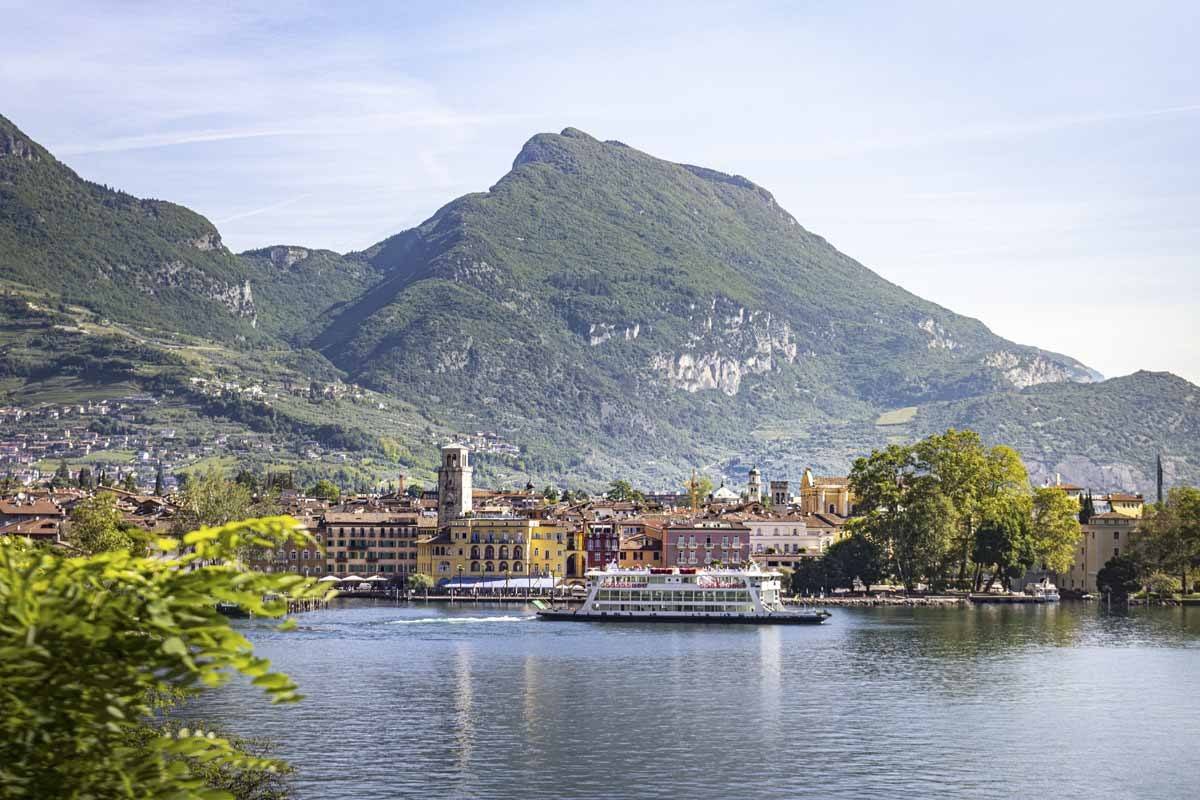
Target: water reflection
479,702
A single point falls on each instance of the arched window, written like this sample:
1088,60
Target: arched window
504,551
444,566
475,552
489,552
488,567
516,566
474,566
503,566
517,552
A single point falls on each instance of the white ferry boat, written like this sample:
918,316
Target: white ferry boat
680,594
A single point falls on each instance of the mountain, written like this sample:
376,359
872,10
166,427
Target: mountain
612,313
148,262
604,299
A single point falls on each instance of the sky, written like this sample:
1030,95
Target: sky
1033,165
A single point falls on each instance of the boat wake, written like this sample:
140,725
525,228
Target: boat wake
458,620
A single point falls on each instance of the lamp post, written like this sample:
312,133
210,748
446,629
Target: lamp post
459,582
507,572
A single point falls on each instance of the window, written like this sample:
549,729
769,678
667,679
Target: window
1116,536
1116,552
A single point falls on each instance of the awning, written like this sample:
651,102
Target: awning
352,579
499,584
329,579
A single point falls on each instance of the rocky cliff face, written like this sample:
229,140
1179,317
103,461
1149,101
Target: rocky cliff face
725,344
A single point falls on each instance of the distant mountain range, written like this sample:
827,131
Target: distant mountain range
612,313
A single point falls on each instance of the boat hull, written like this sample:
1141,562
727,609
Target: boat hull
815,618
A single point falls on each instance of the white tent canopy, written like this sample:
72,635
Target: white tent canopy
353,578
376,579
329,579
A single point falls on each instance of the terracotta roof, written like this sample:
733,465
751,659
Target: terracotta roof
1119,497
1114,515
831,480
370,518
37,528
38,508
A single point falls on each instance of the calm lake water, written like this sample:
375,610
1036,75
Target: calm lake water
990,702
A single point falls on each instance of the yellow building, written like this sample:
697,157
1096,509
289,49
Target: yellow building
1129,505
820,494
493,547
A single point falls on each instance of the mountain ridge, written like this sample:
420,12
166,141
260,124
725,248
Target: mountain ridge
596,302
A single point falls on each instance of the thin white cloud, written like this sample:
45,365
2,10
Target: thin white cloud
254,212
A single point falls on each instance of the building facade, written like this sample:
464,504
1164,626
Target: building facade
784,541
824,494
641,544
372,543
703,542
1104,537
494,547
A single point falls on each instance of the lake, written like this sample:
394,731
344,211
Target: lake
986,702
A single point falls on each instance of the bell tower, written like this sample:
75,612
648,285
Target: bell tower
454,483
754,485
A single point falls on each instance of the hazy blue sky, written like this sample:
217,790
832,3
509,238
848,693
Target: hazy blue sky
1033,165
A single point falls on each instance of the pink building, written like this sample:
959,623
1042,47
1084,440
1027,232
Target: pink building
702,542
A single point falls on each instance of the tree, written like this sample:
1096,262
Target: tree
855,557
1055,530
325,489
1002,540
129,483
208,500
160,481
619,490
550,494
905,513
85,479
420,582
104,640
1119,577
810,577
414,490
698,488
95,526
62,475
1170,534
1087,509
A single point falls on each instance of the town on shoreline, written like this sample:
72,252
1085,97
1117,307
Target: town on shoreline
836,537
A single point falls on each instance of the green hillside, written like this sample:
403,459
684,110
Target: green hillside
608,312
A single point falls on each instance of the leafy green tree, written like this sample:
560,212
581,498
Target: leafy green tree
956,460
550,494
420,582
129,483
85,479
97,639
160,481
325,489
1170,534
1055,530
1119,577
414,490
810,577
619,490
209,500
905,513
1002,540
855,557
95,526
